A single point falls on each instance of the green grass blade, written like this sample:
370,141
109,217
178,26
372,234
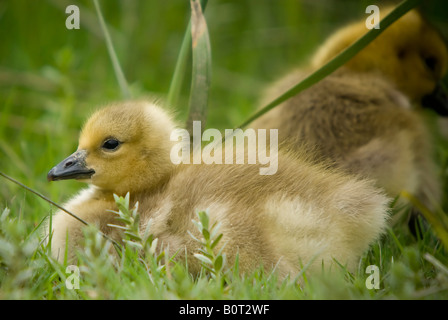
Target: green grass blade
179,71
339,60
439,265
201,74
113,56
438,221
42,197
56,205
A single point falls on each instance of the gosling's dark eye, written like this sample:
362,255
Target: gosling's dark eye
111,144
401,54
431,63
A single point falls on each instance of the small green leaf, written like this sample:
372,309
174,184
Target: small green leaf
116,198
203,218
134,244
216,241
218,263
147,236
133,236
153,243
206,234
117,226
215,229
205,253
160,256
4,215
192,236
203,258
124,220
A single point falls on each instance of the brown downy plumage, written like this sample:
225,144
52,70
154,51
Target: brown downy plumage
365,117
303,211
411,54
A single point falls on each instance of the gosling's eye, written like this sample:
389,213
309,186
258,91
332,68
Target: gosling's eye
431,63
401,54
111,144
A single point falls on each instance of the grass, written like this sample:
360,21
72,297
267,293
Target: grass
409,269
51,80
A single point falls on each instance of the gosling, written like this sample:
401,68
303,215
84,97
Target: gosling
365,116
305,212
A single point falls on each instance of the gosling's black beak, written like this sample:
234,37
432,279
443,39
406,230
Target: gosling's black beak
74,167
437,101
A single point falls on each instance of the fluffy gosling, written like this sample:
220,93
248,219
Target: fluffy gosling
363,117
304,211
410,53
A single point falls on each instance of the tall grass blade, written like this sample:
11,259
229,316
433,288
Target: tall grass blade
113,56
339,60
42,197
179,71
56,205
201,73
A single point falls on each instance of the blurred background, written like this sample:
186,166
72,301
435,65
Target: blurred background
51,78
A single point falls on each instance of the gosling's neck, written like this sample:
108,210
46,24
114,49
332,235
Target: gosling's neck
136,186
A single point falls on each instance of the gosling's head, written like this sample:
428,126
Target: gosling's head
124,147
410,53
